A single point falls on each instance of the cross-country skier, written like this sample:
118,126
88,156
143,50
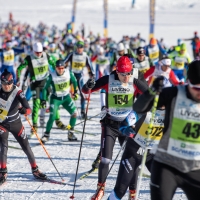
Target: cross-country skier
177,160
60,81
120,86
10,98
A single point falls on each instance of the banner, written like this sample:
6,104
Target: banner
152,18
105,18
73,15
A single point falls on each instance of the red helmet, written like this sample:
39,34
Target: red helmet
124,65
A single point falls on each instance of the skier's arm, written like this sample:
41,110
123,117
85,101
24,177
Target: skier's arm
22,99
51,61
145,101
46,86
149,72
173,79
73,81
101,83
18,50
89,66
21,67
68,58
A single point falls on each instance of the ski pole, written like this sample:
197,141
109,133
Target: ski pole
122,148
88,119
72,197
43,146
149,130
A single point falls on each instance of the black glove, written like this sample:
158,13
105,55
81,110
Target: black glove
158,84
43,104
90,83
22,110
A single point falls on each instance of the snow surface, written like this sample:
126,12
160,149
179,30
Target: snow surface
174,19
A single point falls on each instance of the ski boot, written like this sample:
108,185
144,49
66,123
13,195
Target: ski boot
95,164
32,132
132,194
42,121
38,174
71,136
45,137
99,192
60,125
3,175
83,114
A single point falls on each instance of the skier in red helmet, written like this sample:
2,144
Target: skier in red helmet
120,87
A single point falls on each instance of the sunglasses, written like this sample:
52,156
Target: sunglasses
60,68
6,82
80,46
194,87
38,52
126,74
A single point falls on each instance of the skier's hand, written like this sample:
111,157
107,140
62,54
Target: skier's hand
129,131
75,96
158,84
90,83
43,104
22,110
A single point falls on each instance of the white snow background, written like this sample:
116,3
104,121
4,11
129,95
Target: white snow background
174,19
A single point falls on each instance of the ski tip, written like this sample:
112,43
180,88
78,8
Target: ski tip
72,197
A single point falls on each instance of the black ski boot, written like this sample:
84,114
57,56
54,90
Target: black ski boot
60,125
38,174
45,137
3,175
71,136
95,164
83,114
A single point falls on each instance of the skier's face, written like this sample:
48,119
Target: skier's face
140,57
194,90
121,53
164,67
7,87
60,70
79,50
124,77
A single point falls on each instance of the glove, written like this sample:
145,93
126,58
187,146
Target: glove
22,110
128,131
158,84
75,96
43,104
90,83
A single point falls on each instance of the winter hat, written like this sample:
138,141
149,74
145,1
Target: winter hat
193,73
140,51
124,65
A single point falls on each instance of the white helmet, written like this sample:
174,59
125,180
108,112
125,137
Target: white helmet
37,47
120,47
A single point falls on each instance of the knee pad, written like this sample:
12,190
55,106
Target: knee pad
105,160
113,196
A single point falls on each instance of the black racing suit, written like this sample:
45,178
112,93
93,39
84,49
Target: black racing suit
110,128
14,125
165,179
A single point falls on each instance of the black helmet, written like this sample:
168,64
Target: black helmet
6,78
60,63
140,51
